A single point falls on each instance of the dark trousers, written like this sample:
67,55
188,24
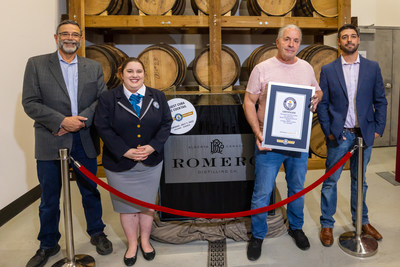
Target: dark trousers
49,174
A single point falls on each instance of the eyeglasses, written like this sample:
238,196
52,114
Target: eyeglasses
73,35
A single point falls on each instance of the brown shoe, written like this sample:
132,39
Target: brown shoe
326,237
370,230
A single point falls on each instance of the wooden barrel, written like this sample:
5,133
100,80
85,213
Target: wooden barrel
318,55
110,58
165,66
161,7
226,6
112,7
325,8
317,140
270,7
230,67
260,54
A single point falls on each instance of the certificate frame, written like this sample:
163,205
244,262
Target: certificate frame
288,117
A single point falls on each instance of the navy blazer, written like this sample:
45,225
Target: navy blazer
121,129
371,102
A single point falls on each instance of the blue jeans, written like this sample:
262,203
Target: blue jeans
49,174
329,187
267,165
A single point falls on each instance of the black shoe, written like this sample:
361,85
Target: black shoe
300,238
148,255
254,248
103,245
130,261
41,256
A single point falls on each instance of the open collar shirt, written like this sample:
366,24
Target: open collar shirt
351,71
70,74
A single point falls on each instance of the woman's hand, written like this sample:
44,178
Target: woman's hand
140,153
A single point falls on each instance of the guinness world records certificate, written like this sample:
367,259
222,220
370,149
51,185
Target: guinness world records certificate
288,118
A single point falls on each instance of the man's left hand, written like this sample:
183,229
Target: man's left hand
315,100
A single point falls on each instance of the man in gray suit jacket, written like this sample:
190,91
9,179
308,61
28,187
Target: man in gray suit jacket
60,93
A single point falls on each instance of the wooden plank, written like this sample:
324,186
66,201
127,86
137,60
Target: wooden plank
133,21
76,11
187,21
215,34
277,22
344,12
205,92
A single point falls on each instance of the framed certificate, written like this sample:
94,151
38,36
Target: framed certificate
288,117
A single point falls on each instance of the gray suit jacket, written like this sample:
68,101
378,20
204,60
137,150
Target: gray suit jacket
45,99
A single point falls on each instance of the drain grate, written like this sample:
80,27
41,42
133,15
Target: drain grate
217,253
389,176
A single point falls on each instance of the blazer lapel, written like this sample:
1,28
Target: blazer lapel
339,71
147,101
81,77
361,73
123,101
55,69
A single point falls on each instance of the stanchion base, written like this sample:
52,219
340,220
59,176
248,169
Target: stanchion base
81,260
359,246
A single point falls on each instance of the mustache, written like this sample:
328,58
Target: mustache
69,42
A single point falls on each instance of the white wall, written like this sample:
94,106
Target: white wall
378,13
28,29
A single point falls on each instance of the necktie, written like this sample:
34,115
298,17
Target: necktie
135,100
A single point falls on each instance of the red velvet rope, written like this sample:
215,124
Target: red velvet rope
213,215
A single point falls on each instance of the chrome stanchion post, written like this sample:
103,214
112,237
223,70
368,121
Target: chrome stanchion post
356,243
71,260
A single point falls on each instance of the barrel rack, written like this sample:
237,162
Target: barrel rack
215,23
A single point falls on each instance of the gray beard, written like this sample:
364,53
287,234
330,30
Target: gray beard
66,50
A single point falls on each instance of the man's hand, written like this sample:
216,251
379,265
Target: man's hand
259,140
377,135
316,99
61,132
73,123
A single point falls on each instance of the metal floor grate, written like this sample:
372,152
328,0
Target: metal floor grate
217,253
389,176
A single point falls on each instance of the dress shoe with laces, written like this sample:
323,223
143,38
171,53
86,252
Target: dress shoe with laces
148,255
370,230
103,245
130,261
326,237
41,256
254,248
300,238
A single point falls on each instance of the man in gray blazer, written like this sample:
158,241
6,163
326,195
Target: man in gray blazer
60,93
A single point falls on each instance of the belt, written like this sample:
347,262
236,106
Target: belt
353,130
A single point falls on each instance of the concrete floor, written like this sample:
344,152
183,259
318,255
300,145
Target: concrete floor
18,236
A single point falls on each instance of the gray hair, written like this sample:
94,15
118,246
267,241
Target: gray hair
68,21
289,26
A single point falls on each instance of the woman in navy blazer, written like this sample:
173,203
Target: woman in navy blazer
133,150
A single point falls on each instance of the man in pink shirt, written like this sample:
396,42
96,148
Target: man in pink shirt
284,68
